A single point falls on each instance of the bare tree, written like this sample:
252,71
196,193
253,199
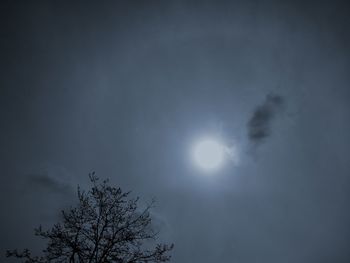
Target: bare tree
106,226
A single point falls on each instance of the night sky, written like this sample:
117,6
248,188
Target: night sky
125,89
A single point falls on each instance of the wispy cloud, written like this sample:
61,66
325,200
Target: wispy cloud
49,183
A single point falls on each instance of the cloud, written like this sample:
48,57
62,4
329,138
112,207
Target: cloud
48,183
259,125
54,180
47,192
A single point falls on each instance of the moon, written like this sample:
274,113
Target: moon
208,154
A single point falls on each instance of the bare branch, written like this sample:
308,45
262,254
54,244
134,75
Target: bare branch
106,226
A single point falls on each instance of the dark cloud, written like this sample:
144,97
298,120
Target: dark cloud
259,125
48,183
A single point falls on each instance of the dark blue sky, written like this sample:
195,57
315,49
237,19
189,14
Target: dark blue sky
124,88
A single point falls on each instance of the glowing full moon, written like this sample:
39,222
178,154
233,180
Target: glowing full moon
208,154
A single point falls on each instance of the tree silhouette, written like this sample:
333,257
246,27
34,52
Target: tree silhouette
106,226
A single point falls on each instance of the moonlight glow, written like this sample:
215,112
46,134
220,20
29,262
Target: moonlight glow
208,154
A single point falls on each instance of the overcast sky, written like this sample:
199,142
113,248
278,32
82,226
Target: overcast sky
125,88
